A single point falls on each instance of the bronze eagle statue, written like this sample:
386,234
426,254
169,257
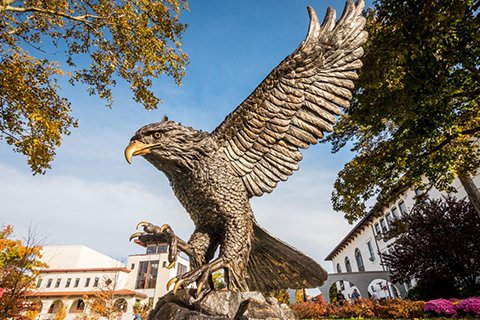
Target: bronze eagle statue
254,148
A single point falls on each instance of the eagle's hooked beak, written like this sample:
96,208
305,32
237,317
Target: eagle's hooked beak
136,148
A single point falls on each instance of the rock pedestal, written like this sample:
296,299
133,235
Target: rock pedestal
220,305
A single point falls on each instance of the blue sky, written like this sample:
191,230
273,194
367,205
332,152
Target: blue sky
93,197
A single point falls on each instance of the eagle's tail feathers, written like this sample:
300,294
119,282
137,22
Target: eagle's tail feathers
274,265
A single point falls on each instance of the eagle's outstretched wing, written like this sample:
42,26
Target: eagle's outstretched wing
296,103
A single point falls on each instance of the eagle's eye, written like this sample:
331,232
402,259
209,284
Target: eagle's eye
157,135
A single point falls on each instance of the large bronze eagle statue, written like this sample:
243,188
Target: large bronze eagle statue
257,145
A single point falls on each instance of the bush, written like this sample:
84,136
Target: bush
398,308
440,307
361,308
415,308
306,310
469,307
390,309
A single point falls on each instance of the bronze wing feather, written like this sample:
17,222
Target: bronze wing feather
296,103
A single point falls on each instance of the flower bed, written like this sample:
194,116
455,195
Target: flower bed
390,309
469,307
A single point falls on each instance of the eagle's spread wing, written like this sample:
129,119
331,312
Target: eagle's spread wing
296,103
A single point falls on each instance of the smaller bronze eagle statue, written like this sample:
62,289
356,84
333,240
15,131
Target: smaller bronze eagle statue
257,145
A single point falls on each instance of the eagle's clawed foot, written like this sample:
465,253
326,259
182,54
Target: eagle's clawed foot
200,276
164,231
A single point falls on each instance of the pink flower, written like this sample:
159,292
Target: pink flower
440,307
470,306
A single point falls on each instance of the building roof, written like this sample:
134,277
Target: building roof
376,211
122,292
77,257
79,270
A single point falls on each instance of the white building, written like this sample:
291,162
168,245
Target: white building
362,248
149,272
75,274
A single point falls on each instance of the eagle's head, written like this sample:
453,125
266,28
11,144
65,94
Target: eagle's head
167,145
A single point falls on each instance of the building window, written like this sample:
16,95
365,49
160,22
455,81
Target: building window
403,207
395,213
348,266
49,283
77,281
120,305
389,218
339,268
39,282
77,306
377,228
132,266
95,282
342,285
57,284
359,259
147,274
69,280
151,250
163,248
383,225
370,250
181,269
87,282
419,192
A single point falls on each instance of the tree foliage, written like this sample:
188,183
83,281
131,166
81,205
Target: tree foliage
438,244
105,302
19,267
416,110
281,295
102,41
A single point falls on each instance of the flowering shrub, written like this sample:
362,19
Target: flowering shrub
470,307
398,308
308,310
389,309
440,307
415,308
362,308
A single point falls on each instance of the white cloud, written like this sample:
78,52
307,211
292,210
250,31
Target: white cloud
69,210
102,215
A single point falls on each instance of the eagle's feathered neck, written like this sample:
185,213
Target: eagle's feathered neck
184,146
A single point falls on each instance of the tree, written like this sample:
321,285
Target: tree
143,309
438,244
102,41
218,279
19,268
300,295
416,111
106,302
281,295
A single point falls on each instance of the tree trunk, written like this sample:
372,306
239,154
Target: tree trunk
471,190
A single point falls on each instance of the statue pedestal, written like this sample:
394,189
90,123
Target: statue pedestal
221,305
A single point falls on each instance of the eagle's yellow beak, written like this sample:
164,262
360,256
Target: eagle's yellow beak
136,148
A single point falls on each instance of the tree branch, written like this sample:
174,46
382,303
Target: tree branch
83,18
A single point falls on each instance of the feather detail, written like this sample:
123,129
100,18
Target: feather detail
297,102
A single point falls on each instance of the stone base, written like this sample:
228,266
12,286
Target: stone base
221,305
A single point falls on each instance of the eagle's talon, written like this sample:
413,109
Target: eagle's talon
170,282
166,227
143,224
135,235
171,265
177,285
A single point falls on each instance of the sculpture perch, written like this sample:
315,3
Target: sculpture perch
257,145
